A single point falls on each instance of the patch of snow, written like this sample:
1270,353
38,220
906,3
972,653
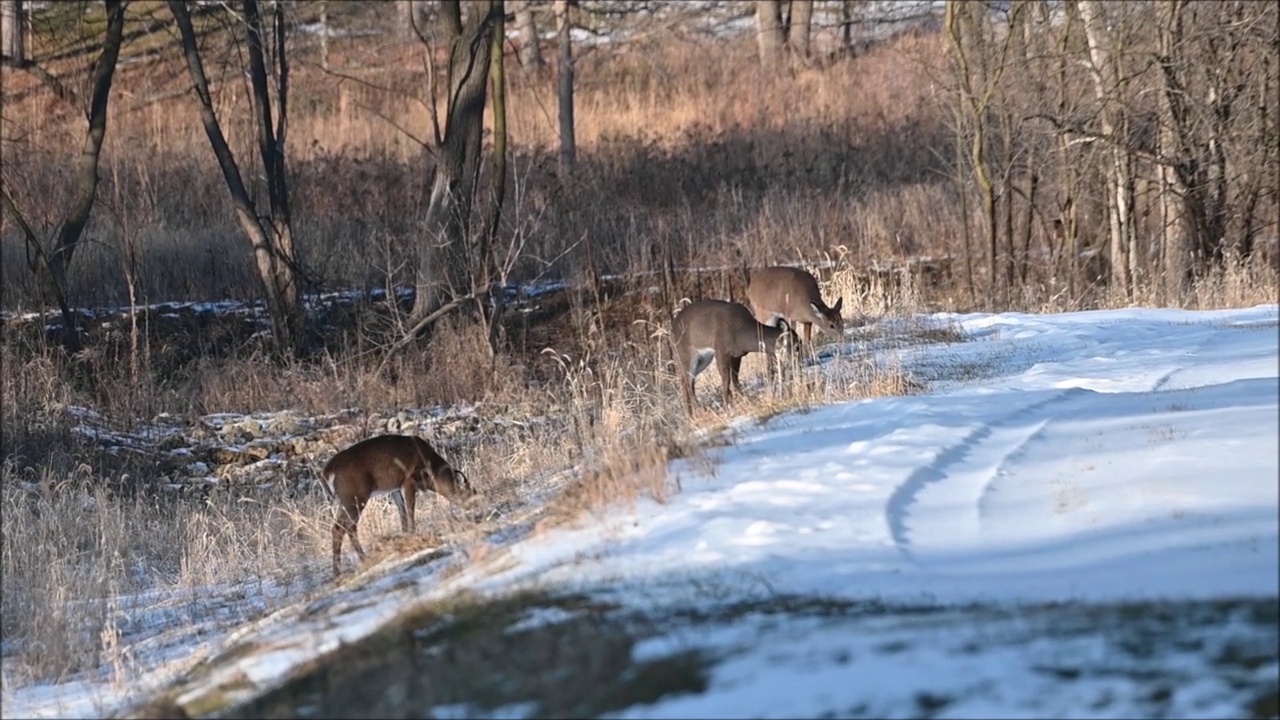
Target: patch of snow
1135,457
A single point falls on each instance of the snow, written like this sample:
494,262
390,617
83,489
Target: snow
1115,455
1089,457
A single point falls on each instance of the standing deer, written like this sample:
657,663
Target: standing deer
381,465
725,331
791,294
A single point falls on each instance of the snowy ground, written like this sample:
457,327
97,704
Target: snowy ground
1113,455
1080,519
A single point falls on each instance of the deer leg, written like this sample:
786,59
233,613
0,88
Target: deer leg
410,497
687,392
351,530
346,517
724,364
688,378
397,497
808,334
735,365
339,529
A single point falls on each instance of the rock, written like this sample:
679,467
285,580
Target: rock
239,455
287,424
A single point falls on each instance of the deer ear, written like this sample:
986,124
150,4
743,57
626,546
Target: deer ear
839,304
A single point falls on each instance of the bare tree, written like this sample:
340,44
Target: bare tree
568,147
783,27
270,235
443,261
771,34
497,181
527,30
979,71
12,22
1109,81
1214,140
56,265
324,34
413,16
799,29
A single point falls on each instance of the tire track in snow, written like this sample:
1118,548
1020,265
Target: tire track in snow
1163,381
900,505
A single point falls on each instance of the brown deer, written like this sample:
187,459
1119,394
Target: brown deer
725,331
380,465
791,294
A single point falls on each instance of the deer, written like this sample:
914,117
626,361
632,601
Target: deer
725,331
380,465
792,294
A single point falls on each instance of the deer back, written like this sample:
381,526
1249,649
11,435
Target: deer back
791,293
724,327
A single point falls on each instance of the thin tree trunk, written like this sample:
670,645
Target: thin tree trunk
770,34
86,183
12,24
40,266
1106,74
272,247
978,107
271,145
568,146
443,259
962,187
1033,184
412,16
527,30
846,27
799,32
492,296
1176,238
324,34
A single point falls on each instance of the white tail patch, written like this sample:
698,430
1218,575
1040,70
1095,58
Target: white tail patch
326,482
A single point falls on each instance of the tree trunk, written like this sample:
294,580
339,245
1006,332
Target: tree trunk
568,146
12,23
978,105
527,30
1107,87
276,262
799,33
769,29
271,238
87,167
412,15
443,259
492,294
1177,251
40,267
846,27
324,34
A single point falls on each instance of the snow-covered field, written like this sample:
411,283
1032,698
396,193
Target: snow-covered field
1114,455
1069,480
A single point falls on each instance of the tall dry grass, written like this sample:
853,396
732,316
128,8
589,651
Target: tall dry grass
676,145
85,532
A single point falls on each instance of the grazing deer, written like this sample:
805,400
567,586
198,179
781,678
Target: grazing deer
381,465
725,331
791,294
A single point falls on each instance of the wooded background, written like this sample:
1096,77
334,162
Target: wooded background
1011,152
